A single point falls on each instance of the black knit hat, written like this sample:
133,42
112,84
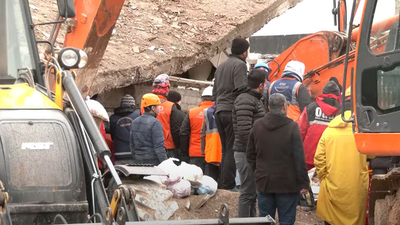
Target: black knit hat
331,88
127,101
239,46
174,96
334,79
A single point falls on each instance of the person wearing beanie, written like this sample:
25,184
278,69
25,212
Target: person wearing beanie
334,79
191,131
175,97
120,124
230,82
343,172
290,85
169,115
316,117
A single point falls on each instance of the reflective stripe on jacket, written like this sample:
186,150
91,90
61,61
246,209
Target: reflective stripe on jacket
213,148
196,116
289,88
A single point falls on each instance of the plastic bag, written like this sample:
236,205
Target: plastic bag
170,167
170,179
97,109
181,189
208,186
190,172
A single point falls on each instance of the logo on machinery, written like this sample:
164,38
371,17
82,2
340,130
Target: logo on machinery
37,145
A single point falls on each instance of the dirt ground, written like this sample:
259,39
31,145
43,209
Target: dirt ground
212,207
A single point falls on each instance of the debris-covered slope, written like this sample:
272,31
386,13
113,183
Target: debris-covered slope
167,36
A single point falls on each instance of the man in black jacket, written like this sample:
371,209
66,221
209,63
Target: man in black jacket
248,107
120,124
230,82
275,151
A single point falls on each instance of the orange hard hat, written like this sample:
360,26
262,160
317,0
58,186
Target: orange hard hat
150,99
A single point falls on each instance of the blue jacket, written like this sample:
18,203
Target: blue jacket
147,140
120,124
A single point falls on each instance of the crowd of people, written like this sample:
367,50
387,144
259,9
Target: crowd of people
270,133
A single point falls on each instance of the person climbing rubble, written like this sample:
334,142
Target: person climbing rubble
191,131
230,82
168,115
146,136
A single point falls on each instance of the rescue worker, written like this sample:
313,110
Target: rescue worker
168,115
191,131
211,143
275,152
316,117
230,82
343,172
176,98
120,124
146,136
290,85
248,107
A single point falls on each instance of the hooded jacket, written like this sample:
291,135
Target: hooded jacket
120,124
275,152
313,122
343,171
248,108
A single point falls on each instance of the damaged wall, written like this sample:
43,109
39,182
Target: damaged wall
111,99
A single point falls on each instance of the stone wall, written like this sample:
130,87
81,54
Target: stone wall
111,99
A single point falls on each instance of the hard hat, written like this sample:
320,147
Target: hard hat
294,69
207,91
150,99
161,80
262,65
348,92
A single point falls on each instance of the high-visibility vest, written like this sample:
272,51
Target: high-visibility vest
290,89
196,116
213,148
165,118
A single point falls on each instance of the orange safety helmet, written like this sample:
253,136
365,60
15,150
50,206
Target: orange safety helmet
150,99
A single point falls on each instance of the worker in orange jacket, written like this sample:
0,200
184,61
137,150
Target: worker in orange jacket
191,130
290,85
211,146
168,116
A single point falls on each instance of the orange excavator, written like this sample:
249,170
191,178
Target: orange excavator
367,58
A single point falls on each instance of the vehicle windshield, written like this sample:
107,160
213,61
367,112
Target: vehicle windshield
15,42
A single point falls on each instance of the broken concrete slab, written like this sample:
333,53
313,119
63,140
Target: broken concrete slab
207,28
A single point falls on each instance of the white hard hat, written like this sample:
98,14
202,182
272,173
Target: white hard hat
207,91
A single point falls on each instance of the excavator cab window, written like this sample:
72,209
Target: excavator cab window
377,80
17,43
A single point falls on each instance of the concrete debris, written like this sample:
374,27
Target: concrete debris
190,33
33,7
152,48
136,49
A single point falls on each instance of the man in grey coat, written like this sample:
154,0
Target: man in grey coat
146,136
230,82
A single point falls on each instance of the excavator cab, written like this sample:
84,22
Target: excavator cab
376,91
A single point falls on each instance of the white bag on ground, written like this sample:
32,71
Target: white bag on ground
169,166
208,186
181,189
190,172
